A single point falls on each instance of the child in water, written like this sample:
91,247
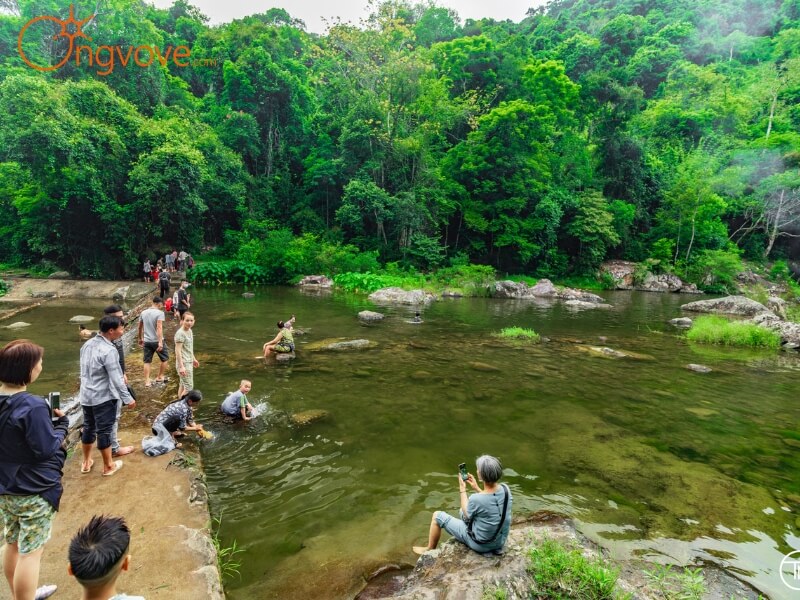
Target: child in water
236,404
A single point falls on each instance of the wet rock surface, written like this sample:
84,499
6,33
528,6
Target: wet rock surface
369,316
396,295
454,572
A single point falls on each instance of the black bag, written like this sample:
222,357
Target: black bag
499,527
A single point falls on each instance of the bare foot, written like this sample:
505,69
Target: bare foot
420,549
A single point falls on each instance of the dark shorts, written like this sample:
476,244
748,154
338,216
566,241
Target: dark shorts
98,422
181,311
151,348
284,348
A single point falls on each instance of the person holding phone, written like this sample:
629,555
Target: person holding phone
485,518
32,456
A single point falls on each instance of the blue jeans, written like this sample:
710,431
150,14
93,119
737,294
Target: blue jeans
98,422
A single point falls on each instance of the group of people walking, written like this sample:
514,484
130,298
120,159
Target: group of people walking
172,262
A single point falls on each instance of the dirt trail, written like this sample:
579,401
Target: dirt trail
163,503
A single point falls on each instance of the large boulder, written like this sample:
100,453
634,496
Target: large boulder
509,289
316,280
59,275
543,288
731,305
661,283
396,295
621,271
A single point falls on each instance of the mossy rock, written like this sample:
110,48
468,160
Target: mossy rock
307,417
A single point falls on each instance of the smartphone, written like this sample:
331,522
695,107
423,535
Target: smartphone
54,400
462,468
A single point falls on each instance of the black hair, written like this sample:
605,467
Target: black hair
193,396
98,548
158,300
109,322
17,361
280,324
110,310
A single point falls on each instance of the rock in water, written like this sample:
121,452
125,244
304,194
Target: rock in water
18,325
400,296
285,356
331,344
482,366
83,319
370,316
681,322
698,368
248,295
732,305
308,416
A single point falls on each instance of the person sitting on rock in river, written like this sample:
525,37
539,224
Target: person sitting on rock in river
236,404
86,334
284,341
98,553
485,518
178,416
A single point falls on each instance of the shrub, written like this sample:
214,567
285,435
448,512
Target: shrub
217,273
719,330
518,333
369,282
561,572
4,287
716,270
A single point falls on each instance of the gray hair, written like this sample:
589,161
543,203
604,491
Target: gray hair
489,468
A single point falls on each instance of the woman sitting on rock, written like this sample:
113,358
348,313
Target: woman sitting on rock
485,518
284,341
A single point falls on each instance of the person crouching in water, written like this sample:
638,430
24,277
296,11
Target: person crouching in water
178,416
236,405
284,341
485,517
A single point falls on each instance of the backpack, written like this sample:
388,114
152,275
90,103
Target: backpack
168,305
163,276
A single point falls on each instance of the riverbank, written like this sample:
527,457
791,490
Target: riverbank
162,499
454,572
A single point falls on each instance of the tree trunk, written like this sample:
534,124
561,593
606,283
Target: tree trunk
772,113
773,233
691,240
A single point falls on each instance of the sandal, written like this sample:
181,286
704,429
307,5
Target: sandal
45,591
117,467
85,470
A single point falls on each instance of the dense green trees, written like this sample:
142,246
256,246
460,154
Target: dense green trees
592,129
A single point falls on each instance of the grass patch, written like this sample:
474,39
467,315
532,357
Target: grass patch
227,562
519,333
681,584
494,592
719,330
561,572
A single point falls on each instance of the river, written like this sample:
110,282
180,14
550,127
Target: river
651,459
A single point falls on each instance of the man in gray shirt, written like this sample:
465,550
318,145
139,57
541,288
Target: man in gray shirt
102,387
151,339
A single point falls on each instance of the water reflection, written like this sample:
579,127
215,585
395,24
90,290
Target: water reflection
653,459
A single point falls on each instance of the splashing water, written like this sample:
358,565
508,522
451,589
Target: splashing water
260,409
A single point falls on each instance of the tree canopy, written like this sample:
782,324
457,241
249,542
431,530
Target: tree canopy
592,129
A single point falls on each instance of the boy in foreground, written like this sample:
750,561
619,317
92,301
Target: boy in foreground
98,554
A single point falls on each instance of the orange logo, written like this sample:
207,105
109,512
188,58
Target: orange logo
104,57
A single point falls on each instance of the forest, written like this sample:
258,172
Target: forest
660,131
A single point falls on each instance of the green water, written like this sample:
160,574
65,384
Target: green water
651,459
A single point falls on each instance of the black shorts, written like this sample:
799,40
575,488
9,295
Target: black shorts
151,348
